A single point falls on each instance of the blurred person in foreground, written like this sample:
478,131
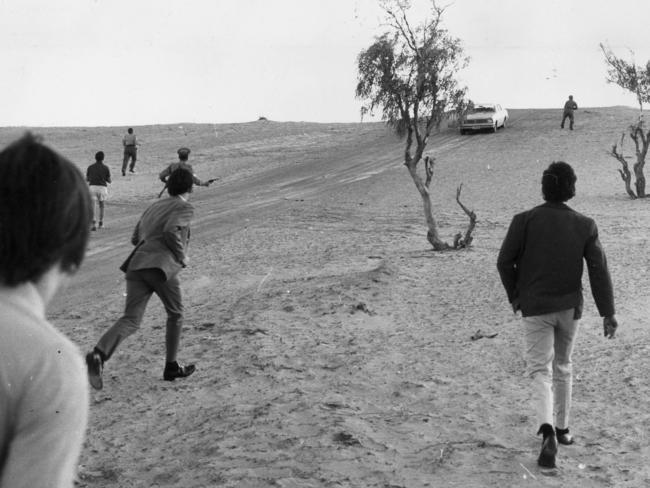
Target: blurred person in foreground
160,237
569,106
45,213
541,264
98,176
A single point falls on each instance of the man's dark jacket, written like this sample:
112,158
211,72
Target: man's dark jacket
541,262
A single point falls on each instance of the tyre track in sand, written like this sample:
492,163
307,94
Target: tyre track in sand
228,207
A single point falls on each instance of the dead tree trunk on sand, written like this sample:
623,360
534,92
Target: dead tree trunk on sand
461,240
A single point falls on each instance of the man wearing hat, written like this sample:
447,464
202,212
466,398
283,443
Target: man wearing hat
183,154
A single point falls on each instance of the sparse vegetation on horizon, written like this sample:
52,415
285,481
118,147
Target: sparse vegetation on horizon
636,79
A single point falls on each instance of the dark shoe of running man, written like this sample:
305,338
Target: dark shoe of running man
174,370
95,369
563,436
546,457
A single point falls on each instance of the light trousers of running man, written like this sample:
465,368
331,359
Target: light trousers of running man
549,341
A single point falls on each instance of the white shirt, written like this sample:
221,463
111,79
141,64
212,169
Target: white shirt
43,395
129,140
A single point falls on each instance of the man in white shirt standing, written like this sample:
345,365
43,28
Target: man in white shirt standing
130,151
45,215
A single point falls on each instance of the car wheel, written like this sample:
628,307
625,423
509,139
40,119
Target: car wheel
462,132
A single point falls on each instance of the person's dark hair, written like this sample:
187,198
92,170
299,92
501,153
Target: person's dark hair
99,156
558,182
130,131
180,181
45,212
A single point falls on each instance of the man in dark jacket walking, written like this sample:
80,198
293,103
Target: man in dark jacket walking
541,264
569,107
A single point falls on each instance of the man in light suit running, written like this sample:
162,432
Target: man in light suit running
160,239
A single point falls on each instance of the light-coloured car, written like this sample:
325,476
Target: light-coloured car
484,116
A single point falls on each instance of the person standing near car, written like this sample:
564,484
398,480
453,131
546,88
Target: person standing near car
569,106
540,264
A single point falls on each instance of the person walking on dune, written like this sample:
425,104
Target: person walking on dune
183,156
130,144
160,237
540,264
98,176
569,107
45,213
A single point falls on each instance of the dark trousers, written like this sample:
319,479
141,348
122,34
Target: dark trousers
130,152
140,285
568,115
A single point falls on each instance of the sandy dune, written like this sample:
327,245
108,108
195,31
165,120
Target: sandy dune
333,347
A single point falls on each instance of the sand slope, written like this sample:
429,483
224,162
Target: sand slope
333,347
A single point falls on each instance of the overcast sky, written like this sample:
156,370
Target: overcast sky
134,62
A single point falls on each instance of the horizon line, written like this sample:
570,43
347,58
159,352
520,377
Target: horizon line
27,126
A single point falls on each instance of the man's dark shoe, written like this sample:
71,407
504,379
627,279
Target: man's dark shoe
563,436
95,369
174,370
546,457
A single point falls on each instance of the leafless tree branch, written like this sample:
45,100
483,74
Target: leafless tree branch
466,240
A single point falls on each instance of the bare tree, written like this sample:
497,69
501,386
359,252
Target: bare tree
635,79
410,74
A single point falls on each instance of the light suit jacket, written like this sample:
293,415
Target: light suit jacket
161,237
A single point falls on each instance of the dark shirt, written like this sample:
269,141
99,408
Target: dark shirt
541,262
570,106
98,174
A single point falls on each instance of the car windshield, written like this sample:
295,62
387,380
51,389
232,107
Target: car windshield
482,109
